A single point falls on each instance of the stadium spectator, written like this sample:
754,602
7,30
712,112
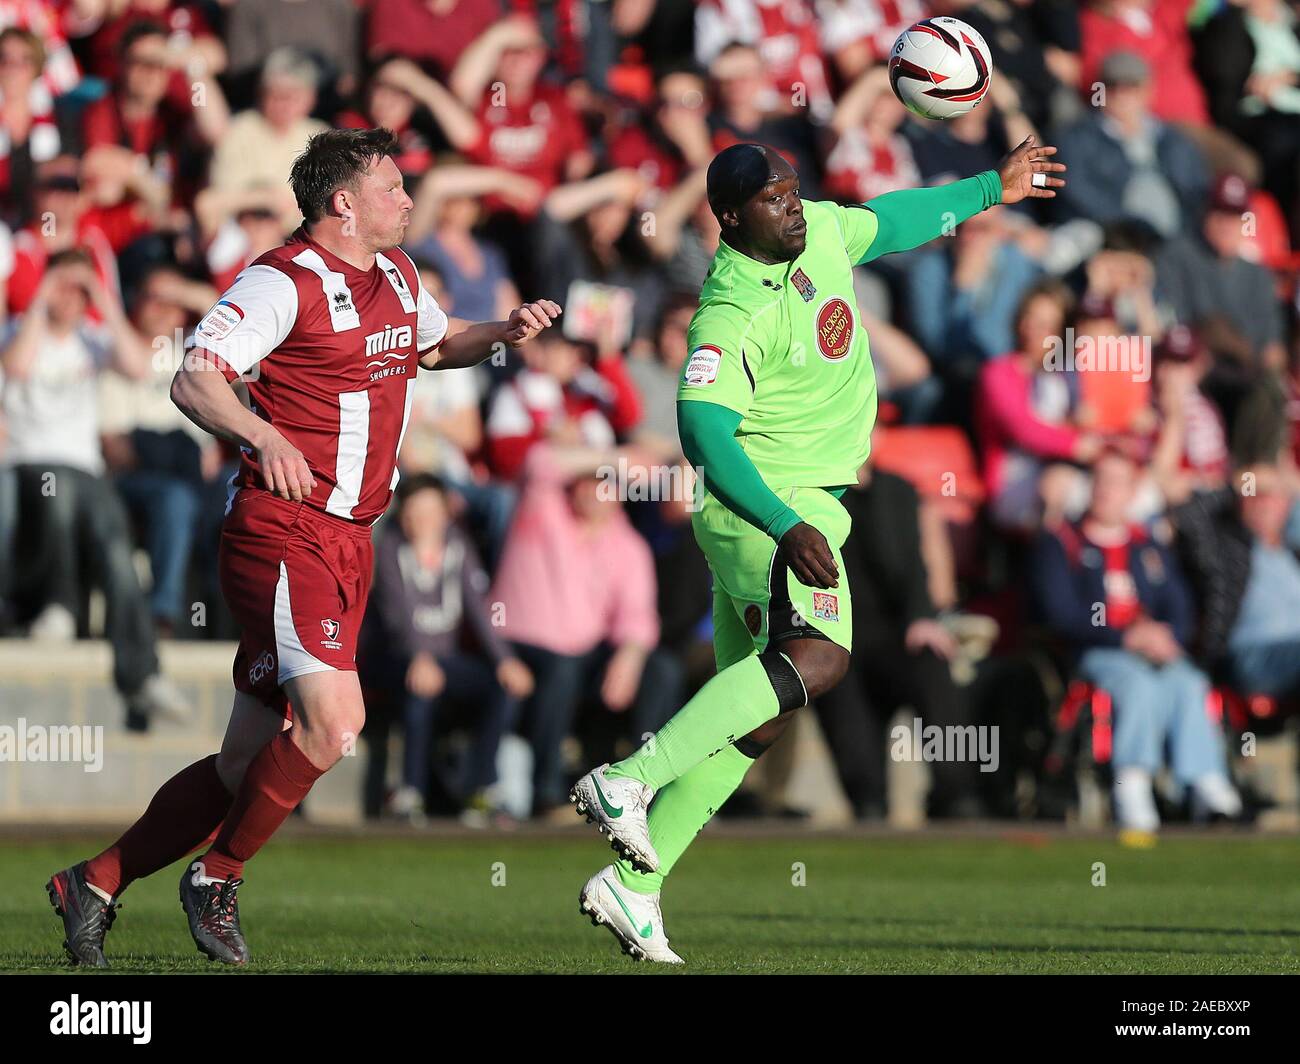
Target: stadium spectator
857,33
671,139
160,459
194,46
655,376
901,652
64,219
1156,29
51,25
429,595
1241,542
784,35
746,111
1206,277
962,293
155,116
975,141
444,433
520,122
1127,162
1024,417
329,31
1119,601
1191,451
432,33
576,588
1248,55
683,660
871,156
684,236
1035,48
29,133
591,260
51,356
449,206
235,227
561,396
261,144
401,97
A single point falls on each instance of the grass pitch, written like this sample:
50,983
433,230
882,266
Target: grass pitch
507,903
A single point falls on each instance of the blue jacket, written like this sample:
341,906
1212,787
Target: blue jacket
1068,574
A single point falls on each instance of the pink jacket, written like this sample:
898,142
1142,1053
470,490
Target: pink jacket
1005,420
565,588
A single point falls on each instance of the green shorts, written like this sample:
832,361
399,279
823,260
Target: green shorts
756,598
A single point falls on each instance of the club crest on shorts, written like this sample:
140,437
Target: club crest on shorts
753,619
331,629
826,607
800,280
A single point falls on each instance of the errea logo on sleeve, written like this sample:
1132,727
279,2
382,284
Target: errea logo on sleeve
702,366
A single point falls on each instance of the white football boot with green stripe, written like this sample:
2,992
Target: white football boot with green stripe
617,806
634,919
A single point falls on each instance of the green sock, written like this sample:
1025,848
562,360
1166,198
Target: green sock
733,703
681,809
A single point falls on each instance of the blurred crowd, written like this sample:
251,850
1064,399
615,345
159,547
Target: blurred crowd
1080,520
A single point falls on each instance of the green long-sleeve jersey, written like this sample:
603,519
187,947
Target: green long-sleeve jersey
780,349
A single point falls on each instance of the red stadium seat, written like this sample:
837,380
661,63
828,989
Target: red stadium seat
938,461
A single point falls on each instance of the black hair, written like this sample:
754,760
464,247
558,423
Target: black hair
736,174
138,30
417,482
335,159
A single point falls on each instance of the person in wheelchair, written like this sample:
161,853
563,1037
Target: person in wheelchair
1118,599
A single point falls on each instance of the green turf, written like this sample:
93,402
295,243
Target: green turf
922,904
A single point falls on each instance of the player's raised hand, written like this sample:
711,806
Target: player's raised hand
527,321
809,556
285,469
1019,173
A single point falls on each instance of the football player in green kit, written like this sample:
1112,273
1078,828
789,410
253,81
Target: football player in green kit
775,407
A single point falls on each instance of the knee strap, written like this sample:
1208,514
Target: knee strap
785,680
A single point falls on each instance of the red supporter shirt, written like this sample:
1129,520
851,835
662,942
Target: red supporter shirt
183,22
413,29
1122,605
330,354
30,257
532,137
1159,34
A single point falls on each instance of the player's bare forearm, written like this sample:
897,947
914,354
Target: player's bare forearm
472,345
478,343
202,393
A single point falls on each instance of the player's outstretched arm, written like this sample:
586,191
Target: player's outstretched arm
477,343
911,217
204,395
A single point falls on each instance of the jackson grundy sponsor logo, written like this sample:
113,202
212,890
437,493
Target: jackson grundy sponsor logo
834,329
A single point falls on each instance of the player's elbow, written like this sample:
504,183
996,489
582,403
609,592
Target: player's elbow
183,391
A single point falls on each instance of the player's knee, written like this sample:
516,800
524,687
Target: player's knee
820,663
785,679
333,736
